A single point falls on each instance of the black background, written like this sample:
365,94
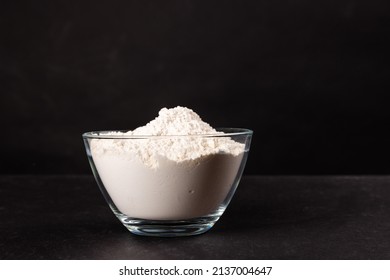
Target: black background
309,77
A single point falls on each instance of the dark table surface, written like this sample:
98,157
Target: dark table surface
270,217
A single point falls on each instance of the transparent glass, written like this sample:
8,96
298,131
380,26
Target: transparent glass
166,197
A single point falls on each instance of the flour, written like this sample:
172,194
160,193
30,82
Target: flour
175,167
175,121
185,144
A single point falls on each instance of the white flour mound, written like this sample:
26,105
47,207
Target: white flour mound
169,169
175,121
185,144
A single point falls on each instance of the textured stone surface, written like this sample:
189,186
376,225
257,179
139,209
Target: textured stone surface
270,217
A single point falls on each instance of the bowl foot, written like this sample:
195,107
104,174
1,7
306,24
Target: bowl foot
162,228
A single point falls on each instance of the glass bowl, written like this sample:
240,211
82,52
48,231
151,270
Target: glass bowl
156,195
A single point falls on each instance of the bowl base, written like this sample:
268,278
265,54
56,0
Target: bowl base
162,228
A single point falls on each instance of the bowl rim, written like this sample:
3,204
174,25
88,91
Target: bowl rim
110,134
